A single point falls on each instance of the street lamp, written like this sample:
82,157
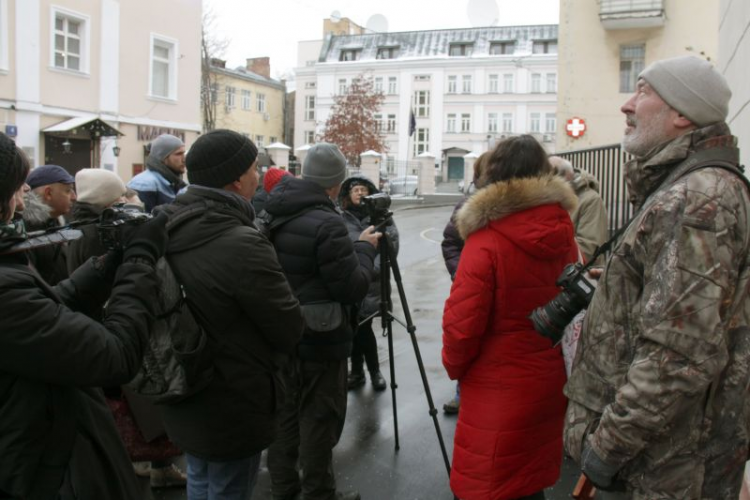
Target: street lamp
66,147
116,150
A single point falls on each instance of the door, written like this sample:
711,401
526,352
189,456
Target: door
455,168
78,156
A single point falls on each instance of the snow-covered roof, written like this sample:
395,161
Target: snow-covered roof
433,43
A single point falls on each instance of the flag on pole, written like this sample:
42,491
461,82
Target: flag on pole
412,123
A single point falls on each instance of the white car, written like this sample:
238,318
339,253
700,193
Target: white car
406,185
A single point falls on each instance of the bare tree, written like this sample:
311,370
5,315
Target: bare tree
352,125
212,48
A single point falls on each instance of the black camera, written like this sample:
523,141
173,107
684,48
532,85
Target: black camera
377,206
551,319
114,219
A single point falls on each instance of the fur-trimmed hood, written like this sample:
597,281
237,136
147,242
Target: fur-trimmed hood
500,200
36,212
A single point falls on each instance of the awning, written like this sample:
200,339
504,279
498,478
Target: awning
83,128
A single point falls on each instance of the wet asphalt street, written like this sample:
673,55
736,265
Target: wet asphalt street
365,458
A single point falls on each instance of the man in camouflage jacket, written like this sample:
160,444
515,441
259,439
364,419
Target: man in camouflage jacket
659,389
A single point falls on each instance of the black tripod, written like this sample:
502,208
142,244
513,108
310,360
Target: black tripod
389,263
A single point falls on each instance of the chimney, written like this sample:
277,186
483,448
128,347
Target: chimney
218,63
259,65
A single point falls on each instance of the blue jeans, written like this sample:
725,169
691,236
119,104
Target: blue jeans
221,480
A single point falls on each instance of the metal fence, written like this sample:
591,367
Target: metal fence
606,165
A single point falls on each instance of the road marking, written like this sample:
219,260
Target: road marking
424,237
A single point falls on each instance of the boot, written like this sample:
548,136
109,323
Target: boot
378,382
452,406
167,476
355,379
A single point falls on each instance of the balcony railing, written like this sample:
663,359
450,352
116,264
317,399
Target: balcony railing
627,14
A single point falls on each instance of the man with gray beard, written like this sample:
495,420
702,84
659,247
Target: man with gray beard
658,392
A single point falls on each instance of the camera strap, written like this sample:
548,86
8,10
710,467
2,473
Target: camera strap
738,170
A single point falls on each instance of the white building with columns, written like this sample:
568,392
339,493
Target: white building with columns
467,88
82,80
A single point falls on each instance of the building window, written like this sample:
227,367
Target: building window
310,85
310,137
494,85
536,83
492,122
342,86
460,49
550,122
70,40
350,55
502,48
551,83
544,47
260,102
390,126
273,140
392,84
422,103
378,117
507,122
310,107
536,122
452,84
246,101
450,125
466,87
465,122
421,78
508,86
214,93
230,97
379,84
259,140
387,53
632,60
422,142
163,67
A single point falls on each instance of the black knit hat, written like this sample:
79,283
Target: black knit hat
7,156
219,157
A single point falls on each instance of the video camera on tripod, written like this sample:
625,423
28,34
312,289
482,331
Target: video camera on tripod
377,207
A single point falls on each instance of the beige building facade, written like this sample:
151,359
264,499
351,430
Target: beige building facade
89,83
249,101
734,63
605,44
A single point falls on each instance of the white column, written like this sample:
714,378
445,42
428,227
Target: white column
28,63
279,153
469,160
301,152
370,166
426,174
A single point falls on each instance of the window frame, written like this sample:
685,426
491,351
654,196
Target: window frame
246,99
634,70
546,45
422,109
507,119
378,84
535,83
309,108
465,123
550,89
259,140
550,118
465,49
492,122
535,122
390,124
493,83
512,85
452,84
350,55
84,37
503,46
230,96
260,99
392,89
466,84
172,68
390,51
309,137
343,85
450,123
421,141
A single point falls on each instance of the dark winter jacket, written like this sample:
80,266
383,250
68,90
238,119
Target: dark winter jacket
259,200
315,251
50,261
519,237
54,423
88,245
357,220
238,293
452,243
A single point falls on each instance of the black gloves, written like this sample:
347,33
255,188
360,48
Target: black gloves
597,470
146,241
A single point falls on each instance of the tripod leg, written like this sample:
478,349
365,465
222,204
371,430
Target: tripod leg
393,266
387,323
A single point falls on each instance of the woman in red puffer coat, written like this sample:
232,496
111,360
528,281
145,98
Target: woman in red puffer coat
519,237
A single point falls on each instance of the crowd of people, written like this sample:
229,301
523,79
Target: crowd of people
283,279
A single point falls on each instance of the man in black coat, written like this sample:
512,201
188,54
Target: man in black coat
237,291
324,267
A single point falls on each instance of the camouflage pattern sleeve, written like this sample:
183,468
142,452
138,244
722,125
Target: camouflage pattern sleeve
689,256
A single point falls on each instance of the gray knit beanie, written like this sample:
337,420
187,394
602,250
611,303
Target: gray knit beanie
691,86
324,165
164,145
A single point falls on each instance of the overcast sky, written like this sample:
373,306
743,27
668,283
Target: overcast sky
257,28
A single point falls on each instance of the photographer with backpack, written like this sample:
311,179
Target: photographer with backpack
237,292
57,437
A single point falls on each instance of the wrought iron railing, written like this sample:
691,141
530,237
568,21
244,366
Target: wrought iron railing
606,164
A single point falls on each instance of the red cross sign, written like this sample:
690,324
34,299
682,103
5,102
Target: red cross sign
575,127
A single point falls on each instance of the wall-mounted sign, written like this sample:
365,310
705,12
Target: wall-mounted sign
148,133
575,128
11,130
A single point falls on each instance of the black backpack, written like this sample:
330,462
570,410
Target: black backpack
176,362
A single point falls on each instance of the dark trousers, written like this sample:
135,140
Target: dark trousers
365,347
310,425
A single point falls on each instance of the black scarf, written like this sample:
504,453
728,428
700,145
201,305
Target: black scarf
175,182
